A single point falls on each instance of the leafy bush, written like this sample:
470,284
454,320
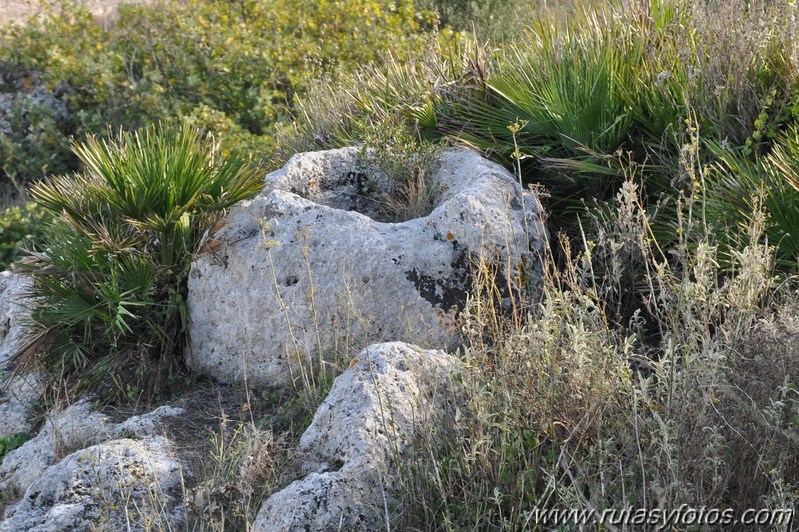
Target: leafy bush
33,139
110,279
20,225
9,443
232,68
494,20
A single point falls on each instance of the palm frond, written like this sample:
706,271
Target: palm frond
110,280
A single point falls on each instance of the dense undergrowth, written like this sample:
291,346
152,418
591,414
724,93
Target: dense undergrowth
587,91
660,368
232,68
690,404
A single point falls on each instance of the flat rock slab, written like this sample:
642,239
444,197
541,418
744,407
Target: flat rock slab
305,270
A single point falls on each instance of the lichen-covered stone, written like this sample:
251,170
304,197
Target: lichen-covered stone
305,268
75,427
118,485
359,436
13,314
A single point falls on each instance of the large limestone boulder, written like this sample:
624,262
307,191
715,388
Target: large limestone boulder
123,484
359,435
305,269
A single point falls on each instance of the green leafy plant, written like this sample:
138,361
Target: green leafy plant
110,279
15,441
740,183
568,86
20,224
408,162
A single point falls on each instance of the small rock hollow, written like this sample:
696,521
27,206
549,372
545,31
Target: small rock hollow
375,194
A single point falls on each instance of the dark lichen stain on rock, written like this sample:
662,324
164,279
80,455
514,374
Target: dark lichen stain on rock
359,180
446,291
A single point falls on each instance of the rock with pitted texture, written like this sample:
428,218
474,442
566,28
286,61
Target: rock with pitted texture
122,484
305,269
359,436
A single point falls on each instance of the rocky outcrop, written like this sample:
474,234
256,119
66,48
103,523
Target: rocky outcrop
119,485
13,314
20,393
304,269
84,472
75,427
359,436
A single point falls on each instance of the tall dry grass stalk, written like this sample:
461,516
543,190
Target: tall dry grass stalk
646,378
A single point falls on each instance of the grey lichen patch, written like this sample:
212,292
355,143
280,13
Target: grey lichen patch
450,290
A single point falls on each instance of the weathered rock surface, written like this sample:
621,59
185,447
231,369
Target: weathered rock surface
17,399
18,395
364,426
75,427
13,314
118,485
299,269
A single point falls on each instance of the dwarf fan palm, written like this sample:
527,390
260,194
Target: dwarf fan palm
568,89
109,284
740,183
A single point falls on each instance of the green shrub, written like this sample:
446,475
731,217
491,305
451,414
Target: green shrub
9,443
20,225
232,68
33,140
110,278
494,20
